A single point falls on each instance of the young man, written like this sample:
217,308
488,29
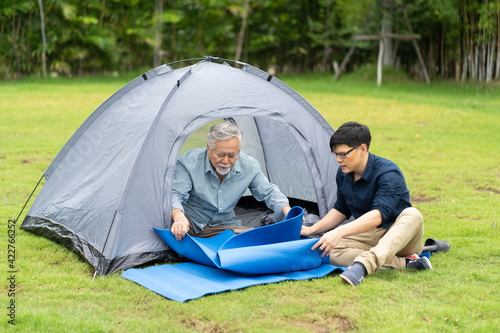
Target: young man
386,231
209,182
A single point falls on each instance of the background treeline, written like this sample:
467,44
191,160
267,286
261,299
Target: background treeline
458,39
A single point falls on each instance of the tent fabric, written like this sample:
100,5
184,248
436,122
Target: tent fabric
227,261
112,181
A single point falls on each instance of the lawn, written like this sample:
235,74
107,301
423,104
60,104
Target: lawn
445,138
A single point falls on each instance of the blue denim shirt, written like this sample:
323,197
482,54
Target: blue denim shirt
198,192
381,187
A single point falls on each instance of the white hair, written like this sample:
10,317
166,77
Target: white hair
223,131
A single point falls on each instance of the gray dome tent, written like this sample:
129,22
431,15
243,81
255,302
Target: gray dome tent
112,181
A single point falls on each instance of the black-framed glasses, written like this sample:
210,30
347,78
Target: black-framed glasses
344,155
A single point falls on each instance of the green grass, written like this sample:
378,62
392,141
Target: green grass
444,137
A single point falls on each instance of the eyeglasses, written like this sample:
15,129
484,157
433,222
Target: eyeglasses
344,155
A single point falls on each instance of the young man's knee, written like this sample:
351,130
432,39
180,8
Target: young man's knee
412,214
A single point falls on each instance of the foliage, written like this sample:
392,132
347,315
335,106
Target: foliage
443,137
459,38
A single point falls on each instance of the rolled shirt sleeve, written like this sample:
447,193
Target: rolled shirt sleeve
181,188
388,195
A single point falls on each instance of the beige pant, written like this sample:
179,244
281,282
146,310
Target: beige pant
209,231
383,248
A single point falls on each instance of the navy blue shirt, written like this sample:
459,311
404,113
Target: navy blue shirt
381,187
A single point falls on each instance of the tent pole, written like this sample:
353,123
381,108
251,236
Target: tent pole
26,203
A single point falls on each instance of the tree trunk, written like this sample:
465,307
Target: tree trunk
174,40
14,38
417,49
388,59
158,34
465,68
327,50
443,67
473,53
344,62
465,46
241,34
458,48
101,17
200,32
44,42
490,62
380,62
484,57
497,74
476,62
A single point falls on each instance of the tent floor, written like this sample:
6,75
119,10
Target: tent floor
255,214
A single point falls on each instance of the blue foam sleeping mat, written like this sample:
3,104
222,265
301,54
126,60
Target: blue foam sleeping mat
268,254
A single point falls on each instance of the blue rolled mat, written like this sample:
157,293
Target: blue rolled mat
190,280
275,248
228,261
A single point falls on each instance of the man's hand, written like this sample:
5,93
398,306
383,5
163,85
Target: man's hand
180,228
180,225
306,231
285,210
327,242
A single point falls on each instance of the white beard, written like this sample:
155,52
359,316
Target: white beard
223,169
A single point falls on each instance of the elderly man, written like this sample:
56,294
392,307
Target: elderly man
209,182
387,231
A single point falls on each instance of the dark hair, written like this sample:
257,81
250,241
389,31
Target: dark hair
352,134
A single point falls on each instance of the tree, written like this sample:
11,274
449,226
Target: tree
458,38
44,41
241,34
158,32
